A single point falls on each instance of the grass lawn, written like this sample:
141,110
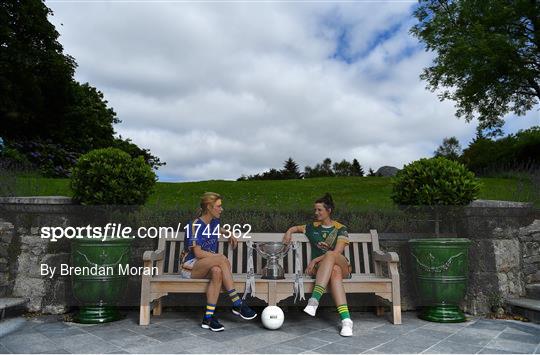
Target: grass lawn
352,193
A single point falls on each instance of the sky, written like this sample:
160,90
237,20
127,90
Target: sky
220,89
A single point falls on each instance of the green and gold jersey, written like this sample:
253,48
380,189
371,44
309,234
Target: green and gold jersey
324,238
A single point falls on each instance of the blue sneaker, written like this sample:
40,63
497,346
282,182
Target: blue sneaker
213,324
244,311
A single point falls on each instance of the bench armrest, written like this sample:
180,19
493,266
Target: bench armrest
390,256
151,255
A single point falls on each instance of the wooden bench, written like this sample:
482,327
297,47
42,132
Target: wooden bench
366,258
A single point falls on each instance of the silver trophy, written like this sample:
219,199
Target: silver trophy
272,251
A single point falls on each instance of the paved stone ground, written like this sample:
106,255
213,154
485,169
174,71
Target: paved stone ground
181,333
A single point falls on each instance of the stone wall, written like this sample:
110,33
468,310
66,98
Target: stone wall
529,238
48,295
495,255
7,258
26,251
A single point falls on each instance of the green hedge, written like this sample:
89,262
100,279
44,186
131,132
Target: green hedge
110,176
435,181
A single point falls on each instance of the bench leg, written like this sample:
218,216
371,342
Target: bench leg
157,307
144,317
379,308
396,314
272,297
396,295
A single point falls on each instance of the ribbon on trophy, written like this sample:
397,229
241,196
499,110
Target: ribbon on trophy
299,275
250,279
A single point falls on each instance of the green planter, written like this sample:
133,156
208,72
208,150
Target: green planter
98,295
441,269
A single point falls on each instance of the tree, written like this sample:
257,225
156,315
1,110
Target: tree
488,55
314,172
132,149
42,108
519,151
291,170
88,121
308,171
450,149
484,130
356,168
35,74
343,168
371,172
323,169
326,167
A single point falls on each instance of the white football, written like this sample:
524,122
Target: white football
272,317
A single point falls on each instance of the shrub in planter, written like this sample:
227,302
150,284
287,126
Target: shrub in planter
106,176
435,181
110,176
440,264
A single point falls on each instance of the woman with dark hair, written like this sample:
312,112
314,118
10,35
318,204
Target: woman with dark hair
202,260
328,239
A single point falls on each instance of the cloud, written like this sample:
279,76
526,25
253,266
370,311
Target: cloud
222,89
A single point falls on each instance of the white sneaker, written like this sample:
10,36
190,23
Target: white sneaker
346,327
311,307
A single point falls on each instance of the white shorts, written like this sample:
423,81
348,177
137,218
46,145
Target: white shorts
185,271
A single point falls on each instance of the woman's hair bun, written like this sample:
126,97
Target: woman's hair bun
327,201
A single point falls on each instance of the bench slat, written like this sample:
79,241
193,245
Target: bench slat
356,258
220,247
290,266
289,278
230,254
171,257
239,258
180,248
366,257
277,237
259,263
301,256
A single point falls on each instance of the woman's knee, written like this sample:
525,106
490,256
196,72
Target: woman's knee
330,255
216,273
336,273
225,262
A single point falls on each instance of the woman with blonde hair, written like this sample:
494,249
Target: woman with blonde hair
202,260
328,239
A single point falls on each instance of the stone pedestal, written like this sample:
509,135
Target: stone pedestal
22,251
495,269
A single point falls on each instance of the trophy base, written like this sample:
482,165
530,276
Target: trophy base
275,272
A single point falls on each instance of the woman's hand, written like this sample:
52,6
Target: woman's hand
228,235
233,241
287,238
310,270
201,254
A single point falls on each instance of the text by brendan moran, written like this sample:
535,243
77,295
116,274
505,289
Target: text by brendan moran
97,270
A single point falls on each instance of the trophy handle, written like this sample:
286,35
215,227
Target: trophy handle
287,249
281,254
266,255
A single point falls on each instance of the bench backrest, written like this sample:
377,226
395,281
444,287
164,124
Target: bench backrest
358,252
